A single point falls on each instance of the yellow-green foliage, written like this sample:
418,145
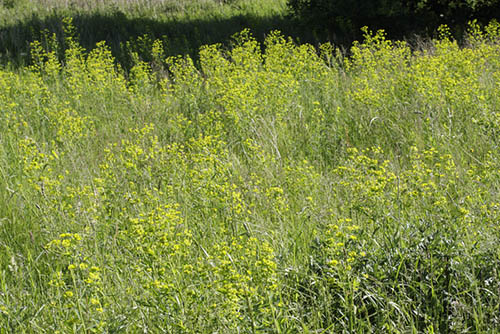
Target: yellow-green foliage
284,190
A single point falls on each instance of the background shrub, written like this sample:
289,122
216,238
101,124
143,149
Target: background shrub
398,17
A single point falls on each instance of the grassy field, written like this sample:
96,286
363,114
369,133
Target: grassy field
266,187
129,26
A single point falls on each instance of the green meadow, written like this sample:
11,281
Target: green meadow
254,185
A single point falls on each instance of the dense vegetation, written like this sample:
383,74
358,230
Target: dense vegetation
266,188
401,17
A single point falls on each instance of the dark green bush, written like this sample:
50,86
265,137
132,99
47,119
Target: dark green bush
398,17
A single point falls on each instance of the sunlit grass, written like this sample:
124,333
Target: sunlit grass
285,190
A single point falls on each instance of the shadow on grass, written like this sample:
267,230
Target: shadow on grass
187,36
179,37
